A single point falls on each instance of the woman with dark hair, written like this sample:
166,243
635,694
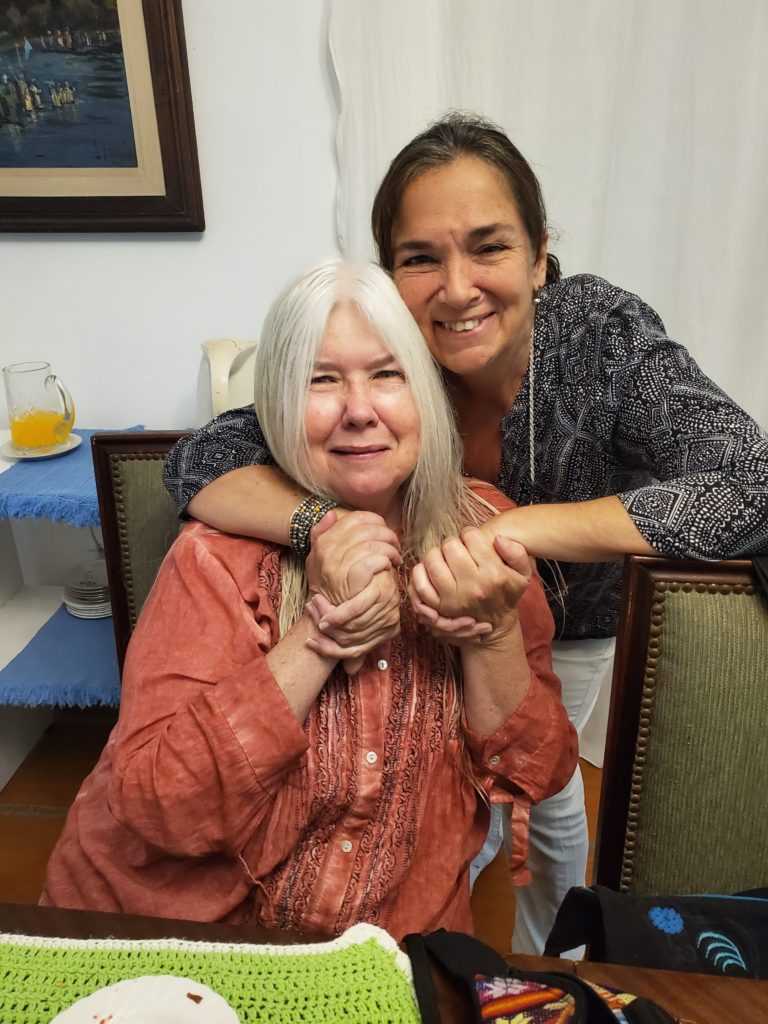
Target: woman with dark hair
570,397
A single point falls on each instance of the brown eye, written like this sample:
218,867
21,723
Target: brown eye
422,260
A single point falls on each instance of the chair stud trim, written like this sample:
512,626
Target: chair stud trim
674,586
643,732
116,464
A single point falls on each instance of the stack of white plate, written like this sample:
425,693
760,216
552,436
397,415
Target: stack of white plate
86,591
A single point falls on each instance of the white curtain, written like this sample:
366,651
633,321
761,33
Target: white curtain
646,121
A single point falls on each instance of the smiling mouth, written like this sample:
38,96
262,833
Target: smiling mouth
461,326
372,449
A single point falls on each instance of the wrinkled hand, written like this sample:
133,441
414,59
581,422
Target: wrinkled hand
347,552
349,645
354,599
471,575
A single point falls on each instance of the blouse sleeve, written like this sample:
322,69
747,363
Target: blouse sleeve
534,752
708,458
231,441
205,735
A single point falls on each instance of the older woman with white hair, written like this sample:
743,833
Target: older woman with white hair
254,777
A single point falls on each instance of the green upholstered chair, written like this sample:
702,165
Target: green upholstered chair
138,519
684,805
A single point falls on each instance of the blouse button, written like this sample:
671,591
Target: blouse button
495,759
382,664
371,757
346,846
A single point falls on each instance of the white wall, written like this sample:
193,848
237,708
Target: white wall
121,317
644,120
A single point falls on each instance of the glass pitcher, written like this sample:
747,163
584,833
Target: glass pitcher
40,409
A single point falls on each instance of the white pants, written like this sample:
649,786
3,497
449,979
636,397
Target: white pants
559,841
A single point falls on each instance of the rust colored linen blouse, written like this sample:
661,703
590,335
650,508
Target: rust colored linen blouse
212,802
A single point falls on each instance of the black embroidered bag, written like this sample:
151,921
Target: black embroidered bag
708,934
499,993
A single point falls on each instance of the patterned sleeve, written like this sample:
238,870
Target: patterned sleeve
230,441
708,459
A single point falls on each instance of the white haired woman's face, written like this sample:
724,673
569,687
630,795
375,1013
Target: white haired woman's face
361,421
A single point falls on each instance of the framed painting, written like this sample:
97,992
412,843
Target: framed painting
96,124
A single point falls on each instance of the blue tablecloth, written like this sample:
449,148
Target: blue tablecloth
69,662
62,488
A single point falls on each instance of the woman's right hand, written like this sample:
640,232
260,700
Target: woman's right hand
347,551
354,597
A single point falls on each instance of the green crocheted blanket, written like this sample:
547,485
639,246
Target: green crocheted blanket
361,977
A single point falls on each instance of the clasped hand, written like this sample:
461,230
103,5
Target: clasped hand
466,590
351,573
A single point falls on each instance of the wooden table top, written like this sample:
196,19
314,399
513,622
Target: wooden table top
700,998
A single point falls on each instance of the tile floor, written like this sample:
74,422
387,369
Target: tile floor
34,804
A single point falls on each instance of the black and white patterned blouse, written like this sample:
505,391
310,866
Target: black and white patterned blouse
620,409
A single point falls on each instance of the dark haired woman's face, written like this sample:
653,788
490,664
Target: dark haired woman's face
464,264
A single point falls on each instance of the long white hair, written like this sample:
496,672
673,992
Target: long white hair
435,504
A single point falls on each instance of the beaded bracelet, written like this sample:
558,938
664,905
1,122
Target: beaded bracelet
308,512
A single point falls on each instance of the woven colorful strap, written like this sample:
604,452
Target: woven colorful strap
531,1002
503,999
360,977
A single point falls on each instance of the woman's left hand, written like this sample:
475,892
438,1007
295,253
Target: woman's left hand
353,639
471,575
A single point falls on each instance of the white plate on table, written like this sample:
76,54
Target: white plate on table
9,450
153,999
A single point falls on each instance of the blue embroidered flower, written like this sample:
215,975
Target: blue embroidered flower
666,919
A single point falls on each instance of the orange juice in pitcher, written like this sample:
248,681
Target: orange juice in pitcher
40,429
40,409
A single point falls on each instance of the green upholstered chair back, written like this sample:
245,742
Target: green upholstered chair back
139,520
685,779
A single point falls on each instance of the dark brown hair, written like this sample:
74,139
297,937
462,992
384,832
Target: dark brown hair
455,135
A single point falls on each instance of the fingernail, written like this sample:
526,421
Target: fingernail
322,626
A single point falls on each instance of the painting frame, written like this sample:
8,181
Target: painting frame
180,207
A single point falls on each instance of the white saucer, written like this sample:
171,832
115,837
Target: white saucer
154,999
10,451
102,611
